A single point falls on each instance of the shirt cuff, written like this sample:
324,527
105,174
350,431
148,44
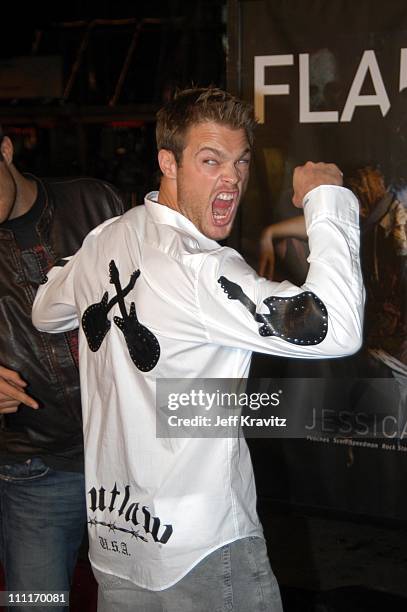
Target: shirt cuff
331,202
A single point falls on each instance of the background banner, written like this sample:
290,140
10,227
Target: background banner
329,83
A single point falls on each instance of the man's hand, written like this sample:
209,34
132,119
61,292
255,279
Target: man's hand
312,175
12,392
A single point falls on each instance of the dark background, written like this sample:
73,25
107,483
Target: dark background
118,62
334,537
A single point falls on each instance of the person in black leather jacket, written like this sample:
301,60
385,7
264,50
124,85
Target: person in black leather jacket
42,499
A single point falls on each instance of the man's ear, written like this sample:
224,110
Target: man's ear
7,150
168,164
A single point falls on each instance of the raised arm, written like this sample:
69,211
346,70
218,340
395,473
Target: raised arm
321,318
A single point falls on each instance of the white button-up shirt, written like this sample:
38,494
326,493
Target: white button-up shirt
157,506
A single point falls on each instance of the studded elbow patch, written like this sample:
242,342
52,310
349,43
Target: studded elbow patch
301,319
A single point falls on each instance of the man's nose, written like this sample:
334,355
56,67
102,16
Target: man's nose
231,174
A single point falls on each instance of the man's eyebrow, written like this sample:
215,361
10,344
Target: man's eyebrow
219,152
210,149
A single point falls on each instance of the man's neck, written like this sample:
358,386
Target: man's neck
26,194
167,194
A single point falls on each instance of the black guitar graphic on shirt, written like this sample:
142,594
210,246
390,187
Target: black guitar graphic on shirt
298,319
143,346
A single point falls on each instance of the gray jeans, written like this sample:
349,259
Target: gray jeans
235,578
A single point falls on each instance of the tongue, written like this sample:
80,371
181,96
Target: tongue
220,212
220,207
222,203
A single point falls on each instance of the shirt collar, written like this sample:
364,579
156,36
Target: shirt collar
167,216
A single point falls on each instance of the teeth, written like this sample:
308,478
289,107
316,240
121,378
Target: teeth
225,196
218,216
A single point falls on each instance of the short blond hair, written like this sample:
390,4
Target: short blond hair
199,105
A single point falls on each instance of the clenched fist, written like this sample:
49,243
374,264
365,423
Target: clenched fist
312,175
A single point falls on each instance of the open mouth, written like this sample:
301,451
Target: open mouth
223,206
